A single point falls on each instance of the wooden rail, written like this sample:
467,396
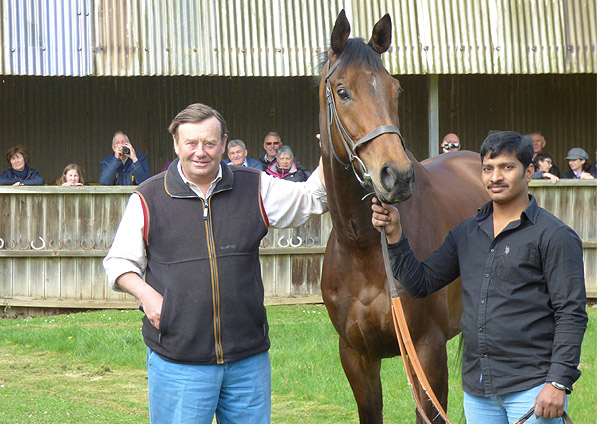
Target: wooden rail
53,241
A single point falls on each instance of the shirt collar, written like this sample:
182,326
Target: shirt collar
196,188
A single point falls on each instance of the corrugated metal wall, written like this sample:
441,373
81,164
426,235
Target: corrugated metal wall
41,37
281,38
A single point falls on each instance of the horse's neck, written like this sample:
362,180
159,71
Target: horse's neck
351,215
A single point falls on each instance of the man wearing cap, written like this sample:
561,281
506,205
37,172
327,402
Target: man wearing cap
578,162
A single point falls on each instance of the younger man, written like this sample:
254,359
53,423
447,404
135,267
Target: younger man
523,290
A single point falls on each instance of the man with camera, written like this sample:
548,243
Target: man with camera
450,143
125,166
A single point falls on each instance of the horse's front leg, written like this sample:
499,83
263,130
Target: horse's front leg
363,376
431,349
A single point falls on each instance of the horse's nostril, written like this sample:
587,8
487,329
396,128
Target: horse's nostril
388,177
391,176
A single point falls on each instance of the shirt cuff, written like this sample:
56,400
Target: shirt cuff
562,374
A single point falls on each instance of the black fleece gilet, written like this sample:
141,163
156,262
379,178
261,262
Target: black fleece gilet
203,257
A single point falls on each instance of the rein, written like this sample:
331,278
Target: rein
350,146
407,348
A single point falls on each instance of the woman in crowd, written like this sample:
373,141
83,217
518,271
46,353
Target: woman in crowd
578,162
543,168
284,166
71,176
19,172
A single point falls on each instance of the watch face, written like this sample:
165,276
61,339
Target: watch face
559,386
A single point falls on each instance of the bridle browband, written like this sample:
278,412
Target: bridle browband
350,146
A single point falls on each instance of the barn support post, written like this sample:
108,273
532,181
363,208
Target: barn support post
433,115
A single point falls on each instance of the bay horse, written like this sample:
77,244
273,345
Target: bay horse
358,101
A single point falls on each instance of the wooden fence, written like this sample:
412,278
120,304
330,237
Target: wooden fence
53,241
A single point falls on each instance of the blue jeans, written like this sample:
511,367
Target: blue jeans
236,392
504,409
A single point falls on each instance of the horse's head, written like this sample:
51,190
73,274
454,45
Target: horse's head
360,97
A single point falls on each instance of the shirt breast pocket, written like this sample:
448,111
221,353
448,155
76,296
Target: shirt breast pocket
520,265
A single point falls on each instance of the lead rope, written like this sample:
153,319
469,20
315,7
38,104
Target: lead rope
405,342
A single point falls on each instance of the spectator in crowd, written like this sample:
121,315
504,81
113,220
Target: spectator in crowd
125,166
188,248
71,176
538,145
19,172
450,143
237,155
284,166
271,144
578,162
543,163
523,290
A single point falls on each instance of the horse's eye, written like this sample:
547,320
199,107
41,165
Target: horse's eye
400,91
343,93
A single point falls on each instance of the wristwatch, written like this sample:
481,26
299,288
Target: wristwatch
560,387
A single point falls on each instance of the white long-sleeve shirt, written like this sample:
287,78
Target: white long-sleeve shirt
286,203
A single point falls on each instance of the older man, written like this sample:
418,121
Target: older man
237,155
125,166
194,232
271,144
539,144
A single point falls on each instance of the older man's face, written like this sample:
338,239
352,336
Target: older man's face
237,155
538,143
271,145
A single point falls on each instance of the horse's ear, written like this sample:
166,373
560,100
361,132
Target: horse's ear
382,35
340,33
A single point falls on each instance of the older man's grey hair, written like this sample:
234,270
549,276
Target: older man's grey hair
118,133
237,142
285,150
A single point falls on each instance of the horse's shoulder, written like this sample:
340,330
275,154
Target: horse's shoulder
457,164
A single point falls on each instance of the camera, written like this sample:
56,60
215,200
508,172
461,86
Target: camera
125,150
449,145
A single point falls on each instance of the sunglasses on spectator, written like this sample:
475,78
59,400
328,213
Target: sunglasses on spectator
272,143
450,145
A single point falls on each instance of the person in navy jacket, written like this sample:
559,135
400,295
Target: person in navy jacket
237,155
125,166
19,172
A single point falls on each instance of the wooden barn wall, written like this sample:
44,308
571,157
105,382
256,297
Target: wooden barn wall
64,119
562,107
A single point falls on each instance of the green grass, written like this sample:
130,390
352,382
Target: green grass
90,368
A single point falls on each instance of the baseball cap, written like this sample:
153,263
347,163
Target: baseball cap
577,153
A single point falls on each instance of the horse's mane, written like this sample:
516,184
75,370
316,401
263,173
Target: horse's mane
356,50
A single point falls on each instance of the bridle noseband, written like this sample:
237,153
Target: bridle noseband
350,146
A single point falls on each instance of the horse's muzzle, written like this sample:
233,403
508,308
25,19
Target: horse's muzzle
396,186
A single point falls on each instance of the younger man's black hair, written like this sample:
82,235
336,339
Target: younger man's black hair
508,141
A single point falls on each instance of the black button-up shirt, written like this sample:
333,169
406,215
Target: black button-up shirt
523,297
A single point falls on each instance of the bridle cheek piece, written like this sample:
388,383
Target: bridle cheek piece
350,146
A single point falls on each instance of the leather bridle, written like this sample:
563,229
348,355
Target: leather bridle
350,146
